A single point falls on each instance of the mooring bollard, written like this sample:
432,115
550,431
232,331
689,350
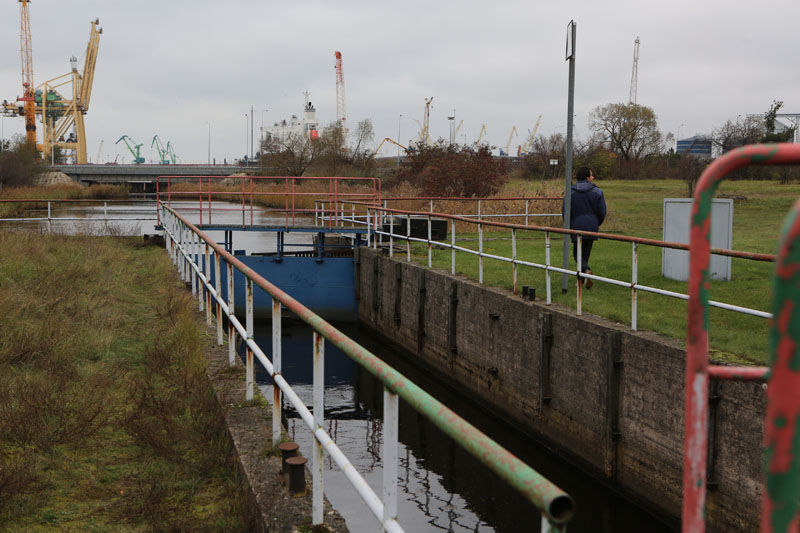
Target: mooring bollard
525,289
297,475
532,294
288,450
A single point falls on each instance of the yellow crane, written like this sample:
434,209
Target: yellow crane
481,134
59,113
526,148
387,139
510,136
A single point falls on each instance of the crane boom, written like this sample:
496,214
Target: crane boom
510,136
387,139
86,82
481,134
635,73
26,53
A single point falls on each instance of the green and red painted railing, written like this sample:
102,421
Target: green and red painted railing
781,439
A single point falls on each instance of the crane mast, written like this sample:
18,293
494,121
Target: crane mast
426,121
341,111
635,73
26,52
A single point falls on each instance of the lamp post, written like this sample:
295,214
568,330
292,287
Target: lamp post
452,126
2,132
246,140
261,137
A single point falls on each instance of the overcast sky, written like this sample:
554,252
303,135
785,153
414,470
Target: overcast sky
167,68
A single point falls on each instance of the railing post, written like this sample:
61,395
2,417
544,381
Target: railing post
547,265
207,272
579,276
319,421
514,257
250,367
105,211
193,259
391,236
201,302
231,329
276,367
391,416
49,226
480,249
634,281
453,247
408,238
526,212
369,227
218,287
430,246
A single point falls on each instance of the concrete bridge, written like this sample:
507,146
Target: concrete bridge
141,177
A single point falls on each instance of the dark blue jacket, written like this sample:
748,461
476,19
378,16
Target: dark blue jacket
587,208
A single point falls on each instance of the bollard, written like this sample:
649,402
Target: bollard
525,291
297,475
532,294
288,450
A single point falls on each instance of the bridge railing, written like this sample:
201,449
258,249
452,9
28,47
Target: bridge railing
144,215
191,250
292,196
382,224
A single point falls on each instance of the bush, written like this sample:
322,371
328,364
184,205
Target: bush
20,165
454,170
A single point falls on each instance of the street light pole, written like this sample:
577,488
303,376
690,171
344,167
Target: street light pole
570,56
209,141
246,140
452,126
252,119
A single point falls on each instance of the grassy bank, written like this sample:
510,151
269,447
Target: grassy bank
56,192
106,418
635,208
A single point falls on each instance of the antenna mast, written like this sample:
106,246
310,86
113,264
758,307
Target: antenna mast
635,73
341,110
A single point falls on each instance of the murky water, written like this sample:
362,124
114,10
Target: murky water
441,487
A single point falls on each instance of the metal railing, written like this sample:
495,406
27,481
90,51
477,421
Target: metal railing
779,510
380,219
49,218
191,250
252,192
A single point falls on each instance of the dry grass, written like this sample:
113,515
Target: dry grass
106,420
56,192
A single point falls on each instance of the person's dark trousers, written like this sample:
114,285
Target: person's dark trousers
586,250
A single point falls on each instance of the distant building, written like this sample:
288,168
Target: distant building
697,146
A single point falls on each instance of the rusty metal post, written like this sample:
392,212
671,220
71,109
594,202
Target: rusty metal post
250,368
288,450
277,402
297,475
781,432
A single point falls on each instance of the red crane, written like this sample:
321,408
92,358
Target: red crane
341,111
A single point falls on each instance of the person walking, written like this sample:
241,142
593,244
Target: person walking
587,212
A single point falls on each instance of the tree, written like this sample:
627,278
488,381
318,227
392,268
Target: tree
630,130
289,156
740,132
19,165
770,136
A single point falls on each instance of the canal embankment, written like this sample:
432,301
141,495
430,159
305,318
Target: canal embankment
609,398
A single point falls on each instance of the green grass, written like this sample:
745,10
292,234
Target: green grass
635,209
107,421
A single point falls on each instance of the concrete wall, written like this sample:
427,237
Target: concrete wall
610,397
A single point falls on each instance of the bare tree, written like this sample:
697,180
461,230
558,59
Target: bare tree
630,130
290,155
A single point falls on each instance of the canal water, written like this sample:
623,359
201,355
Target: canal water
441,487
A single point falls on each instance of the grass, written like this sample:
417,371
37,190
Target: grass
56,192
635,208
107,421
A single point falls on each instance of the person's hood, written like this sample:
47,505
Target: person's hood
584,186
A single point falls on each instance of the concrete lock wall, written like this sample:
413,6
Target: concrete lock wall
608,397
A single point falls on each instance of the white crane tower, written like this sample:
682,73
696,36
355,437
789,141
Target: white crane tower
635,73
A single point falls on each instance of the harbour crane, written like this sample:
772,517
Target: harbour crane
133,148
426,121
171,153
62,117
99,151
341,109
28,104
481,134
526,148
508,144
387,139
163,157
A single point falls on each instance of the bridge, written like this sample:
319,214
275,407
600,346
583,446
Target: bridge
139,176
